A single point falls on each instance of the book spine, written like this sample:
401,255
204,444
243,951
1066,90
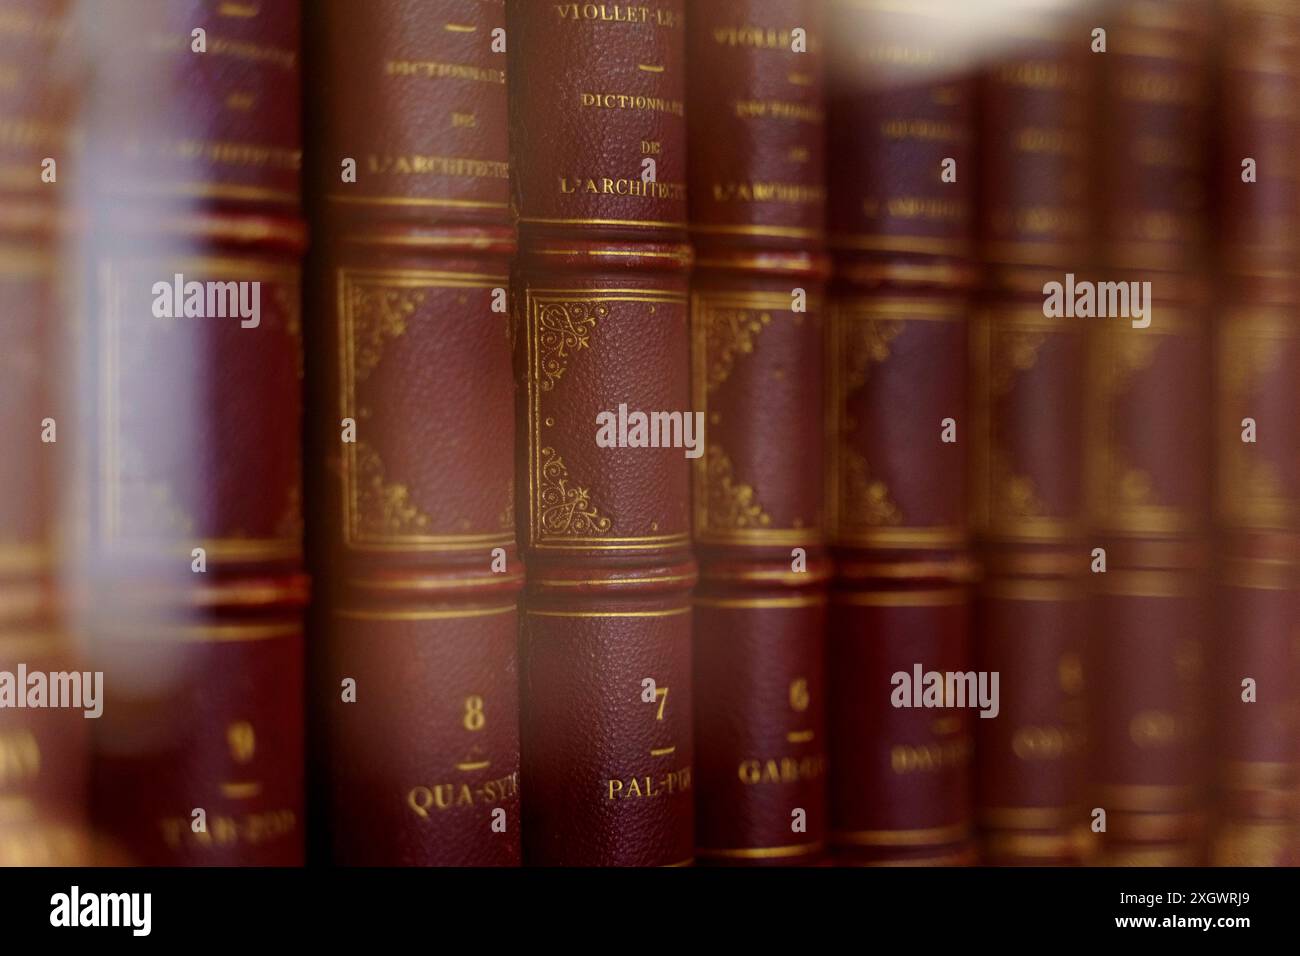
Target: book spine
43,770
1257,477
902,237
412,425
758,194
600,305
191,550
1149,465
1027,475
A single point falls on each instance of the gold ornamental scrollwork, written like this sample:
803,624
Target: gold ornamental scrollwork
871,345
730,333
563,328
1013,352
732,505
379,314
866,499
383,507
566,509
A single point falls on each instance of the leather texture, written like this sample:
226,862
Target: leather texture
900,784
757,188
1257,353
195,433
1028,475
1150,466
600,311
413,524
44,771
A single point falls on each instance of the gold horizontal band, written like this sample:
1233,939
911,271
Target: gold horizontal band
959,569
657,224
414,201
235,229
958,248
760,852
803,600
1029,589
775,577
930,836
1153,827
1260,574
1038,846
1145,797
901,538
683,256
430,544
429,583
960,858
427,278
763,537
938,274
1028,818
475,243
1146,584
430,614
1149,856
687,862
901,307
673,612
608,582
648,543
1260,772
938,597
780,232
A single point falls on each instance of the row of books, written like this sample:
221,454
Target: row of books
740,432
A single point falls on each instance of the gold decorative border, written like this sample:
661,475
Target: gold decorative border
702,306
844,317
110,276
353,537
534,298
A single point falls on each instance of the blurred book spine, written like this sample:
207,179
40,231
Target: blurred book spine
758,195
411,430
189,543
1257,368
1148,390
1028,460
43,752
901,230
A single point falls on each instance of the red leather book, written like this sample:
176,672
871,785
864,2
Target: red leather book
757,187
414,520
190,552
43,768
1149,465
902,237
1028,489
1257,378
598,146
